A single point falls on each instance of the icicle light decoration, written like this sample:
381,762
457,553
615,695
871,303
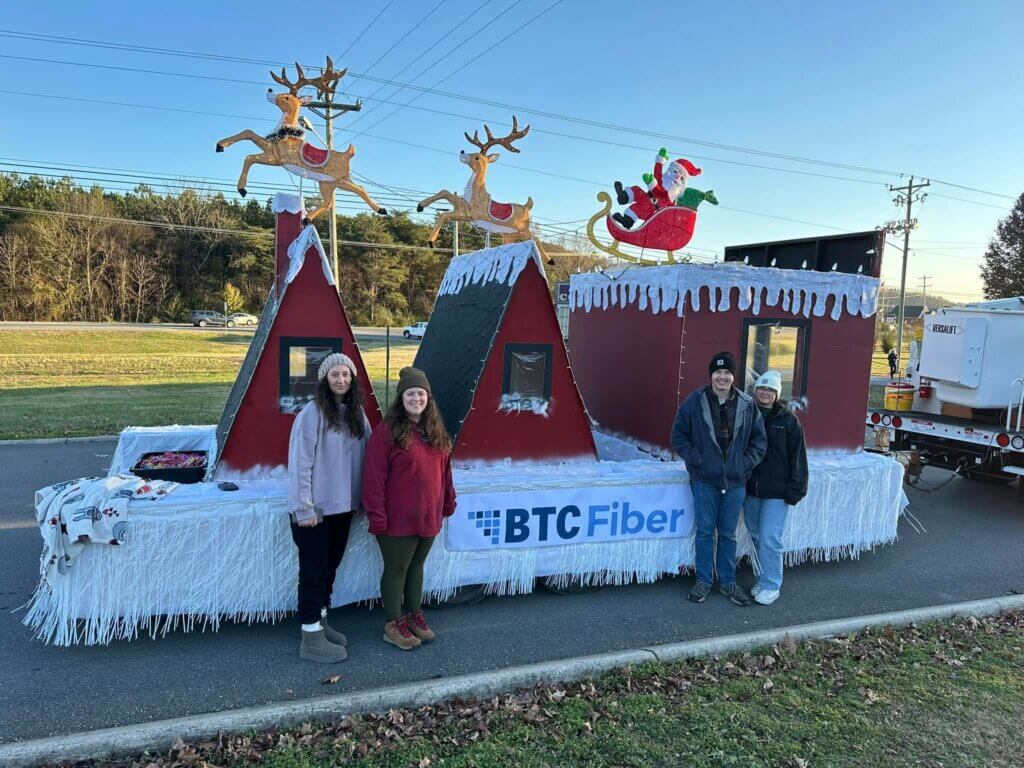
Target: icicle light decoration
667,288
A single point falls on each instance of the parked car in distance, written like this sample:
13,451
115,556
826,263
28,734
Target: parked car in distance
241,318
415,331
201,318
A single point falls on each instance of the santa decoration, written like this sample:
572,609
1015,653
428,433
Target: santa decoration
666,187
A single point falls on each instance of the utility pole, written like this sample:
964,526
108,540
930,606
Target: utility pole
905,196
455,239
327,109
923,279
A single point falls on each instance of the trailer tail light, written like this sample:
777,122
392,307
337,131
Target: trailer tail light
875,418
886,420
1002,440
1018,442
897,421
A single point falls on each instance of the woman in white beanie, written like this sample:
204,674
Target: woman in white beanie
776,484
325,471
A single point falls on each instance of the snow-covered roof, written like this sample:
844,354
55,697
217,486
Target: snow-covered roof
502,264
667,287
287,203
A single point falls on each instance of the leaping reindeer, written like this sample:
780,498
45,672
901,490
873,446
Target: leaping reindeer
476,204
286,147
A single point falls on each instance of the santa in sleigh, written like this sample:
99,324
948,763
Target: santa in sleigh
666,188
666,210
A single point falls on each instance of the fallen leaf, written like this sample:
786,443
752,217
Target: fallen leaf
869,695
330,680
425,762
789,644
768,685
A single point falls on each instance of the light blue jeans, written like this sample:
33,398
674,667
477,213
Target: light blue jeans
715,509
766,521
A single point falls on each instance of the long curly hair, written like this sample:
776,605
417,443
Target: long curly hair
400,426
351,418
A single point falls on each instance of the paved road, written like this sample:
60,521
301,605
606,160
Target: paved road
972,549
396,333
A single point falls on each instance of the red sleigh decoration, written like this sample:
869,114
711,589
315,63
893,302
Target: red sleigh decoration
669,229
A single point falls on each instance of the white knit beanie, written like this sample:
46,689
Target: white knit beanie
770,380
333,359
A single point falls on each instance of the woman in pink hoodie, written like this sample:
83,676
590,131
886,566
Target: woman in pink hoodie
325,473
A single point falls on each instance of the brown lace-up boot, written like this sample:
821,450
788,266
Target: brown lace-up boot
418,626
397,633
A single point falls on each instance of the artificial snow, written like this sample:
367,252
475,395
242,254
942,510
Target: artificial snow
308,238
287,203
516,403
664,288
502,264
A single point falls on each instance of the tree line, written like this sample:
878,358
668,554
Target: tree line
142,256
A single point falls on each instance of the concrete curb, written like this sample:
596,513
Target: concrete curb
61,440
161,734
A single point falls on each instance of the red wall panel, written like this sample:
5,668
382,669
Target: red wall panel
626,363
259,435
565,432
617,347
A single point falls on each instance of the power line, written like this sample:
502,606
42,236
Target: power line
398,42
472,60
193,54
209,230
366,29
447,114
468,38
972,202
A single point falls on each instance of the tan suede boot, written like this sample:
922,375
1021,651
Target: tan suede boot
418,626
397,633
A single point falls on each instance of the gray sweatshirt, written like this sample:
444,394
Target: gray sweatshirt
325,467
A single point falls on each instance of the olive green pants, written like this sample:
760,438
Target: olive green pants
402,580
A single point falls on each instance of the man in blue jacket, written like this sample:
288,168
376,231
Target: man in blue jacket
720,435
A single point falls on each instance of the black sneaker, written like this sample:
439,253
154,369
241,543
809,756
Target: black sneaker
699,592
736,594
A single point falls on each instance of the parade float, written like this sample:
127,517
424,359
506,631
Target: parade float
541,494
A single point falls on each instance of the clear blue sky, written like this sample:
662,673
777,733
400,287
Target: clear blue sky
933,88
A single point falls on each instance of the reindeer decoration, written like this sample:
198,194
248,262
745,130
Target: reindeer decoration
286,146
511,220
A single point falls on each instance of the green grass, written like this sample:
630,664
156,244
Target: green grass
78,382
949,694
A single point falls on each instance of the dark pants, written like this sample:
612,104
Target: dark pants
321,548
401,585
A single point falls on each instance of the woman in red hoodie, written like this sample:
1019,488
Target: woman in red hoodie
407,489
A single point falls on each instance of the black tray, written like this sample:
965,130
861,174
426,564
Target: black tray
174,474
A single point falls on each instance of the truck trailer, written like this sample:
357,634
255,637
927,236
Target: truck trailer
968,395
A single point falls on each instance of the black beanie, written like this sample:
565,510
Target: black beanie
410,377
722,360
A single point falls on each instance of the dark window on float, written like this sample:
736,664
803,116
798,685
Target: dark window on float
300,361
527,372
776,345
